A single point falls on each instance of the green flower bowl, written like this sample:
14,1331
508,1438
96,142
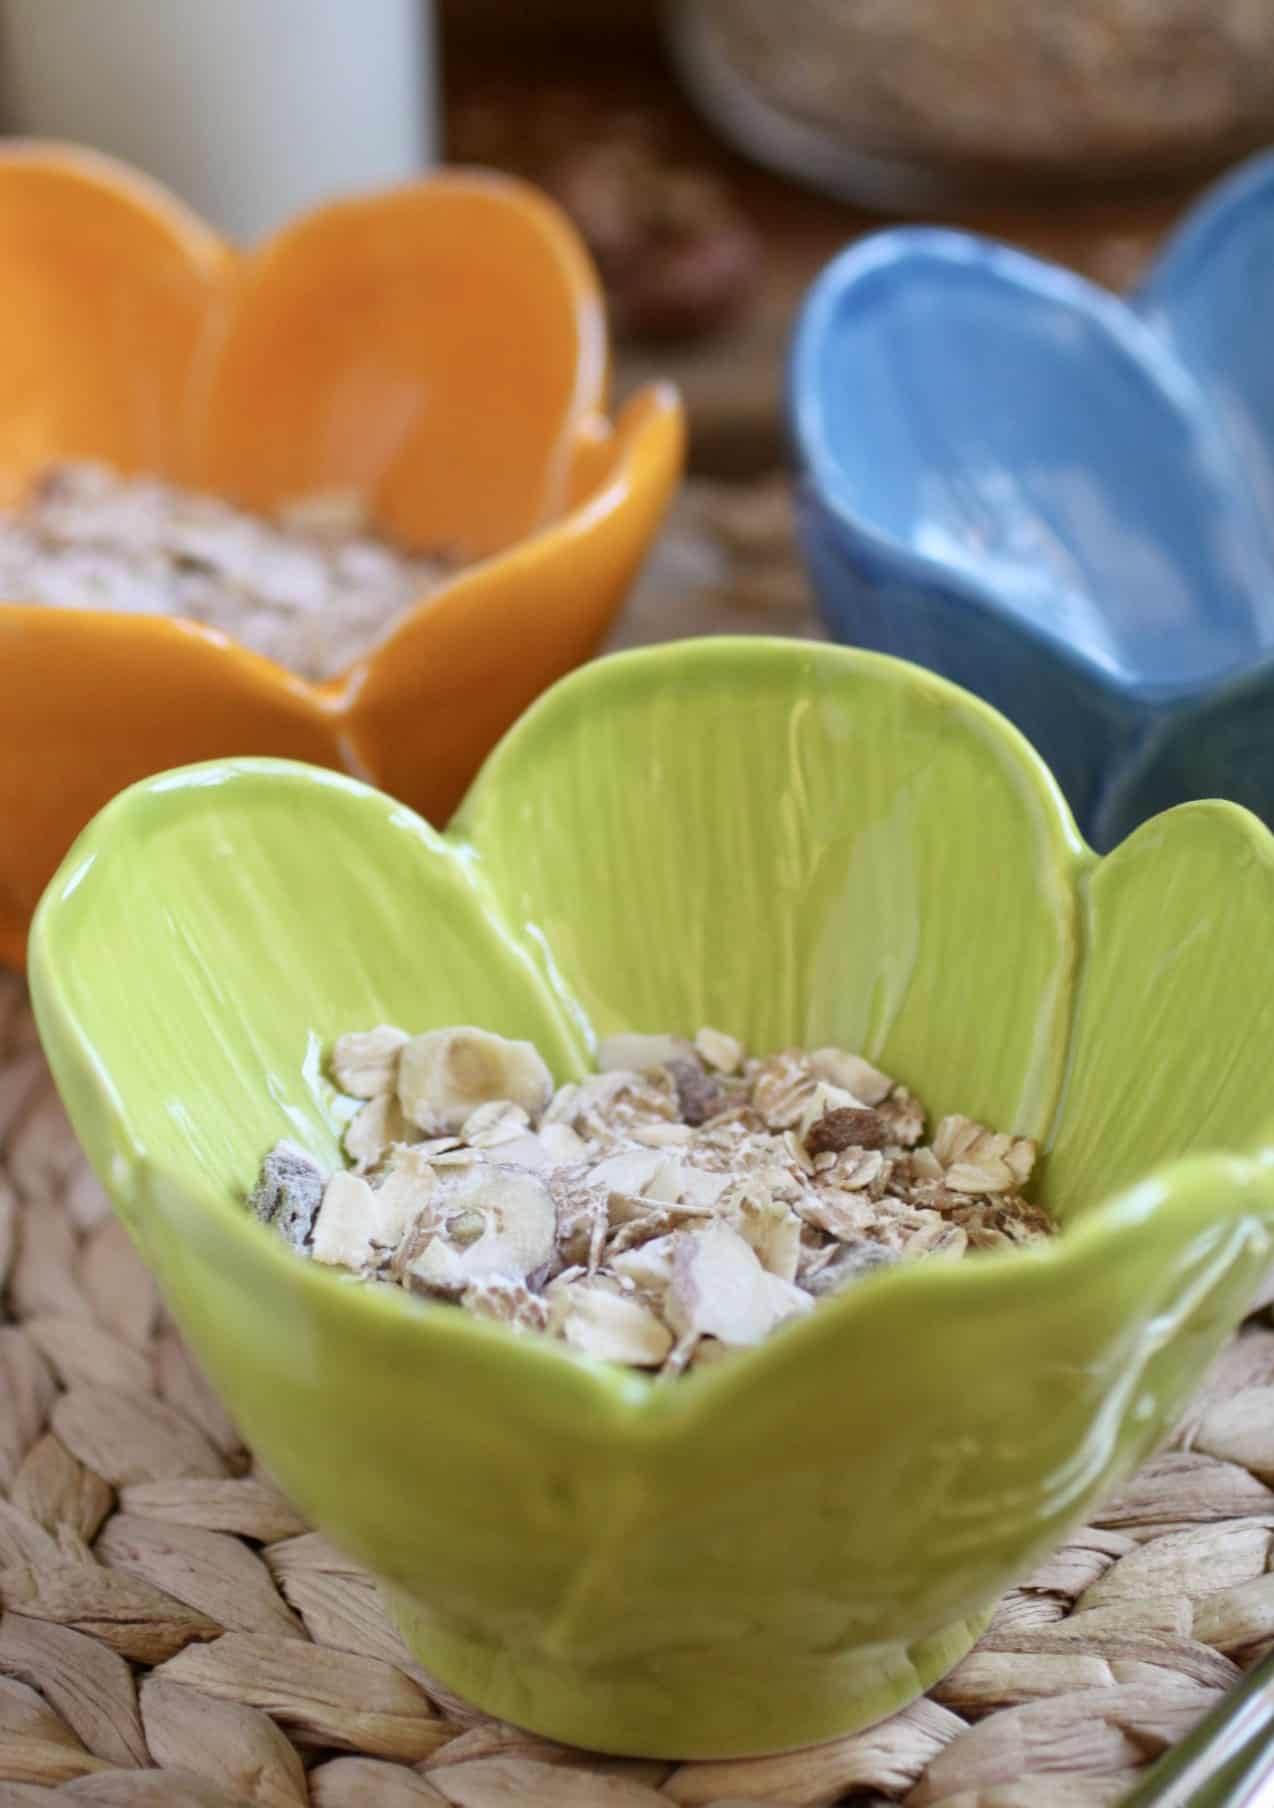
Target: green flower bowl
800,844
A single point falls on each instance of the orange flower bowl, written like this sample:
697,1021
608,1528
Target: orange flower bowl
439,348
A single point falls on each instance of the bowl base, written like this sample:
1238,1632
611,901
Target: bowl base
683,1703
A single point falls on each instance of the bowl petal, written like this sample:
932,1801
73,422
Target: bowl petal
1206,297
796,844
1176,938
437,348
968,408
108,283
227,884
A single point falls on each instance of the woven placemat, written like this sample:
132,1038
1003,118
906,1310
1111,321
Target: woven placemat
173,1632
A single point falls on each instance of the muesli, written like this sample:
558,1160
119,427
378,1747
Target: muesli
682,1200
311,587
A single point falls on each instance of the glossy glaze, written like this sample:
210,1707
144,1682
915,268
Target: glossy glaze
1060,499
441,347
800,844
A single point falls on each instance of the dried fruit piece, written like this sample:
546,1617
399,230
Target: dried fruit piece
846,1127
699,1095
444,1074
289,1192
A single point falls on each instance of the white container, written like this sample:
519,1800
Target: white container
250,110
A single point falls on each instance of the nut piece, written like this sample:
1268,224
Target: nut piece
868,1085
444,1075
288,1193
343,1226
607,1325
374,1131
514,1215
636,1054
722,1053
719,1289
365,1062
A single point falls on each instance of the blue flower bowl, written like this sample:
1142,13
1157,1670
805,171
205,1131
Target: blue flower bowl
1061,500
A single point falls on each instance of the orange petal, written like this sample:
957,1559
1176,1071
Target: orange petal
91,702
434,348
107,284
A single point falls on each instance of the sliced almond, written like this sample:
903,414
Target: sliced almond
363,1225
637,1054
722,1052
630,1172
372,1132
343,1223
601,1323
647,1266
853,1074
768,1226
519,1221
498,1121
719,1289
365,1062
445,1074
561,1143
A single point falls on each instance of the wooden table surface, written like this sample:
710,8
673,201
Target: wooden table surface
499,92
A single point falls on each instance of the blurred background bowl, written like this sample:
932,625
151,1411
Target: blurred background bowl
1059,499
439,349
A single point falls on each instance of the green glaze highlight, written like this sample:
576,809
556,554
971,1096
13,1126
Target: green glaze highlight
799,844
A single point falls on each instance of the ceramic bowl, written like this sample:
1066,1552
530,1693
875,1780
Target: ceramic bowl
803,845
440,347
1060,499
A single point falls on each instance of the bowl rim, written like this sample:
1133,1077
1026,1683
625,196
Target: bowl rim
1221,1192
1133,323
